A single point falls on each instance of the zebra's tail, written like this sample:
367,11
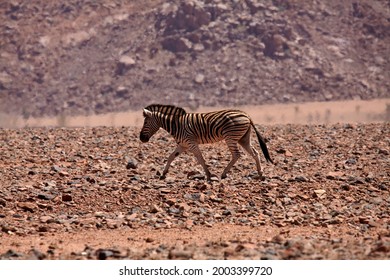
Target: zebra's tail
262,144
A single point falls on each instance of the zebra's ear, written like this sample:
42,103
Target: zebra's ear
147,113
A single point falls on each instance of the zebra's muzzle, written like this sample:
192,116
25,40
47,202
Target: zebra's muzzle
144,138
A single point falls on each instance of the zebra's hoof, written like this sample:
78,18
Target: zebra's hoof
161,176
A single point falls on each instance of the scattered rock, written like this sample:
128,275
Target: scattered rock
67,197
149,240
199,78
103,254
301,178
334,175
125,63
176,44
176,254
45,196
46,219
28,206
320,193
294,210
132,163
288,154
155,209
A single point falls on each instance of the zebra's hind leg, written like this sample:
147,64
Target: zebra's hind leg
232,145
245,142
179,149
198,154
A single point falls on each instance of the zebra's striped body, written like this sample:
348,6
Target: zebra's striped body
191,129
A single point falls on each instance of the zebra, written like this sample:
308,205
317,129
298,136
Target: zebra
191,129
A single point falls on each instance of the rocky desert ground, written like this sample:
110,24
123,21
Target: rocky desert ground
87,193
92,190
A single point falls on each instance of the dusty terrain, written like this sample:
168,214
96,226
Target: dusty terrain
87,193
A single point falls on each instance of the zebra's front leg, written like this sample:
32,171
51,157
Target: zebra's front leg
179,149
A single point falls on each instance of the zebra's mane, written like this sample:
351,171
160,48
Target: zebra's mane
166,109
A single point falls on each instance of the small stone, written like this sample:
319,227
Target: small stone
179,254
320,193
131,217
11,254
32,172
189,224
350,126
56,168
37,255
125,63
112,223
45,196
279,239
46,219
176,44
149,240
199,78
50,184
213,198
198,47
27,206
195,175
164,190
301,179
122,91
132,164
351,161
173,210
127,60
227,212
333,175
67,197
73,39
184,206
383,186
2,202
104,254
288,154
43,229
364,220
192,196
63,173
372,223
155,209
100,214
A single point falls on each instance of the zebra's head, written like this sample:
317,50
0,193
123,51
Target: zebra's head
150,126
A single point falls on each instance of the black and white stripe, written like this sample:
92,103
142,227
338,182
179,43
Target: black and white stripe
192,129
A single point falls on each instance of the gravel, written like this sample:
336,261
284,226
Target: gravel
59,181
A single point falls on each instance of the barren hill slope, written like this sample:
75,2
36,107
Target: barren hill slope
83,57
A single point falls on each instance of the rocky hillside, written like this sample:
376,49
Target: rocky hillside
84,57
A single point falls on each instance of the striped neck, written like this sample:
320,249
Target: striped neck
167,122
